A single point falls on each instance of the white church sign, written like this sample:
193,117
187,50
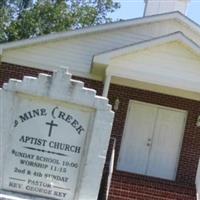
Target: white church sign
54,138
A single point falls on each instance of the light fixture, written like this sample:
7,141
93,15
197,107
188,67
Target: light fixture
116,105
198,121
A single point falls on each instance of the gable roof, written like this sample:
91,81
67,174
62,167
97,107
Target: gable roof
104,58
104,27
169,61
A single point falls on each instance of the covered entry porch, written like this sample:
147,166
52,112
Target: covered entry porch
156,86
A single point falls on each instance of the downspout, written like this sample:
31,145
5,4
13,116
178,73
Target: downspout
106,85
111,167
197,182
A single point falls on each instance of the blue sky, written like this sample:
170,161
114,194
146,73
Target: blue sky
134,8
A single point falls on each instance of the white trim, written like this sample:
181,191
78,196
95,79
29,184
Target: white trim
197,181
190,85
106,85
105,57
131,101
105,27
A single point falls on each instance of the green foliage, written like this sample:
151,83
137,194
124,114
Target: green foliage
20,19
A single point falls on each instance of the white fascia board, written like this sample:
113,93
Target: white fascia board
101,28
105,58
176,82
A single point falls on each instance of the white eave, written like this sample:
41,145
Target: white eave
103,59
101,28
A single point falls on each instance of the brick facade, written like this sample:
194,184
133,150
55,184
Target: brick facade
131,186
128,186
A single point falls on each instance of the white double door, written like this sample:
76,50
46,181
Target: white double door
152,140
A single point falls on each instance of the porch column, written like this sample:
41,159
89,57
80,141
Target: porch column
106,85
197,181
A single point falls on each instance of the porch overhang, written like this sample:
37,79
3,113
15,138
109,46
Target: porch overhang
170,61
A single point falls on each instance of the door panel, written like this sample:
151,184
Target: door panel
138,129
152,140
166,144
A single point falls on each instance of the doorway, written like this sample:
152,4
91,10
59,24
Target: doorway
152,140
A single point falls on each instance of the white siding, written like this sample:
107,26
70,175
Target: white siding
171,65
77,52
156,88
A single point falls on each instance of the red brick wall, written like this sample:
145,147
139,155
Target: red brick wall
14,71
18,72
130,185
127,186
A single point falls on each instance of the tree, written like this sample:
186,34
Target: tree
20,19
10,11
